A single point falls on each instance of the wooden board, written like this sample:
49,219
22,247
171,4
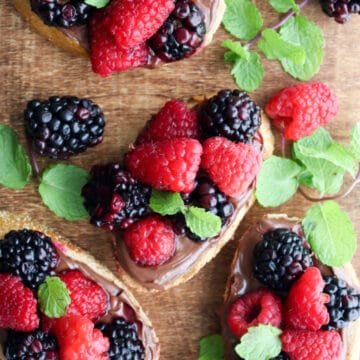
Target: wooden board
31,67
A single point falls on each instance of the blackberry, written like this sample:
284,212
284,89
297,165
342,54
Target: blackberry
63,126
282,356
230,114
124,340
280,258
181,34
60,14
36,345
113,197
344,305
28,254
340,10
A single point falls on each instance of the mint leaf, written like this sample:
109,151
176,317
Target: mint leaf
202,223
211,348
300,31
355,141
15,169
276,48
283,6
277,181
53,297
330,233
60,190
261,342
236,48
166,202
242,19
97,3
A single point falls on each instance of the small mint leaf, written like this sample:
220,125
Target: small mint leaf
282,6
202,223
211,348
261,342
236,48
53,297
330,233
97,3
166,202
355,141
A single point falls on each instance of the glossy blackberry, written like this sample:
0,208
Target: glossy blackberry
282,356
124,340
340,10
36,345
28,254
230,114
344,305
114,198
63,126
181,34
280,258
60,14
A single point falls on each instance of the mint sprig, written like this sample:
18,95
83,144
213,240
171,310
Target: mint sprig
355,141
282,6
211,348
97,3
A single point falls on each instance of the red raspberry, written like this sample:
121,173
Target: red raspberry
252,309
166,165
78,340
305,304
312,345
150,241
232,167
17,305
174,120
300,109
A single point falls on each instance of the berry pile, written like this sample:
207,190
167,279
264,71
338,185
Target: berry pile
340,10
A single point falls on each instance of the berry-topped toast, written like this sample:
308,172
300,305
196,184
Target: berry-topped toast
280,292
58,302
125,33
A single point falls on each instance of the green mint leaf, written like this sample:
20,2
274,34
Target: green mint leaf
276,48
300,31
236,48
202,223
15,169
261,342
277,181
53,297
330,233
97,3
242,19
211,348
282,6
60,190
355,141
166,202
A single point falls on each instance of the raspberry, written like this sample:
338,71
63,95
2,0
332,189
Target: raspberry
305,304
232,167
166,165
340,10
174,120
17,305
150,241
252,309
299,110
312,345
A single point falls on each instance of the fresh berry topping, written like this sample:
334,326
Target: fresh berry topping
305,304
174,120
282,356
78,339
312,345
28,254
36,345
166,165
181,34
280,258
114,198
124,340
150,241
17,305
252,309
344,304
340,10
232,167
299,110
230,114
63,126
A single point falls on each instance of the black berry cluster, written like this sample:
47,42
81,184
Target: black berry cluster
340,10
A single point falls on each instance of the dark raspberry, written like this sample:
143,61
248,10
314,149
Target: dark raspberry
28,254
344,305
230,114
113,197
124,340
280,258
181,34
63,126
36,345
340,10
60,14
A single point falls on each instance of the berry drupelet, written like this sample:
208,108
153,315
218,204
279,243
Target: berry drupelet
340,10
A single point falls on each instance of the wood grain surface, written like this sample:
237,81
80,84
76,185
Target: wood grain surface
31,67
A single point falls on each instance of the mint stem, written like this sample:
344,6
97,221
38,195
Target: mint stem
33,161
